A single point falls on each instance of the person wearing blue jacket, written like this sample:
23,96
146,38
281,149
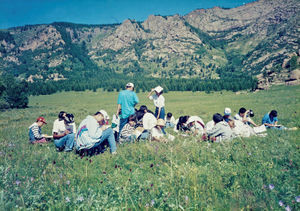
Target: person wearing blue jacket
93,131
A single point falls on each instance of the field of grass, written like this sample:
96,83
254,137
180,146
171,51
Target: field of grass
248,173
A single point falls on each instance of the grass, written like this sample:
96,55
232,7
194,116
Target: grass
185,174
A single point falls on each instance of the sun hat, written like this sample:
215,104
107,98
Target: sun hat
41,119
104,113
158,89
149,121
130,85
160,122
227,111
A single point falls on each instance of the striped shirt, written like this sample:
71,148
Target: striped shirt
36,130
127,131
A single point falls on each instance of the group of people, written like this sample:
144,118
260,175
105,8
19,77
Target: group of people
129,124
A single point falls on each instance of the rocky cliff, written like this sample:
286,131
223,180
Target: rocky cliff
256,38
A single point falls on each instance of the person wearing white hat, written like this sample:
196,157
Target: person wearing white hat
93,131
127,100
157,133
227,113
159,102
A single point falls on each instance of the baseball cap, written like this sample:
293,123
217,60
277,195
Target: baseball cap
130,85
41,119
158,89
227,111
104,113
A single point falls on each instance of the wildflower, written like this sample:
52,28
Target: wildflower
130,170
280,203
90,161
44,172
68,182
55,182
60,175
147,205
152,202
18,182
116,166
271,186
54,162
101,181
104,172
297,199
186,198
80,198
151,185
151,165
148,190
31,179
68,199
249,153
288,208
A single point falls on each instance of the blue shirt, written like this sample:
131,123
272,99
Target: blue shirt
127,99
268,120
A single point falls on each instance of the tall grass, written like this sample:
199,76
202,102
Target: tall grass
248,173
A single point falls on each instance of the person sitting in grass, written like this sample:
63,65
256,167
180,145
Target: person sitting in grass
127,131
227,113
190,124
243,116
220,132
63,133
270,120
157,133
170,120
93,131
35,131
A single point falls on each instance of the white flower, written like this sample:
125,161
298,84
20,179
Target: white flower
280,203
152,202
271,186
68,199
68,182
80,198
297,198
287,208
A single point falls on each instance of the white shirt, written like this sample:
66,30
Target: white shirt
238,117
157,133
59,127
159,101
172,120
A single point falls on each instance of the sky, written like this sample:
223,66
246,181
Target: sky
26,12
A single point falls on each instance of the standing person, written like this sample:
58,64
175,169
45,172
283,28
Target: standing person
127,100
93,131
159,102
63,134
35,131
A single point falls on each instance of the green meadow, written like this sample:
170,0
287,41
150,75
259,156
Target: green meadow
256,173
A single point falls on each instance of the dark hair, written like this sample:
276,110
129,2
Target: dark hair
143,108
181,121
132,118
160,92
273,113
242,110
98,112
69,118
251,113
60,115
217,118
169,115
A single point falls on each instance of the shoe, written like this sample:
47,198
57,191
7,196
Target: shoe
114,153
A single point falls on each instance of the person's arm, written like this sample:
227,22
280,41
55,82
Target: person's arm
56,136
36,132
245,116
252,122
150,93
118,110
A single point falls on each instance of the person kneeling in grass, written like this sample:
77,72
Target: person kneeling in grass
35,131
157,133
221,131
93,131
127,131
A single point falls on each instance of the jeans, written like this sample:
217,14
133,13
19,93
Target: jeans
108,135
170,124
162,113
67,141
145,135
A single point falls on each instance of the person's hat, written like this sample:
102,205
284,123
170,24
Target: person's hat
130,85
227,111
104,113
160,122
158,89
41,119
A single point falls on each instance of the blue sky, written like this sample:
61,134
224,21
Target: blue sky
22,12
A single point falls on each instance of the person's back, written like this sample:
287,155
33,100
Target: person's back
127,99
221,131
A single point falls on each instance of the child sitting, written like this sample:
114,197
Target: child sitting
35,132
170,120
126,134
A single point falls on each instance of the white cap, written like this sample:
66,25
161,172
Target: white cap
130,85
104,113
158,89
149,121
227,111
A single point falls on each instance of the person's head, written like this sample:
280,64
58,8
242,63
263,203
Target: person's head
169,115
217,118
69,118
231,123
273,114
181,125
143,108
101,117
132,119
158,90
242,112
41,121
227,112
160,123
62,115
130,86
